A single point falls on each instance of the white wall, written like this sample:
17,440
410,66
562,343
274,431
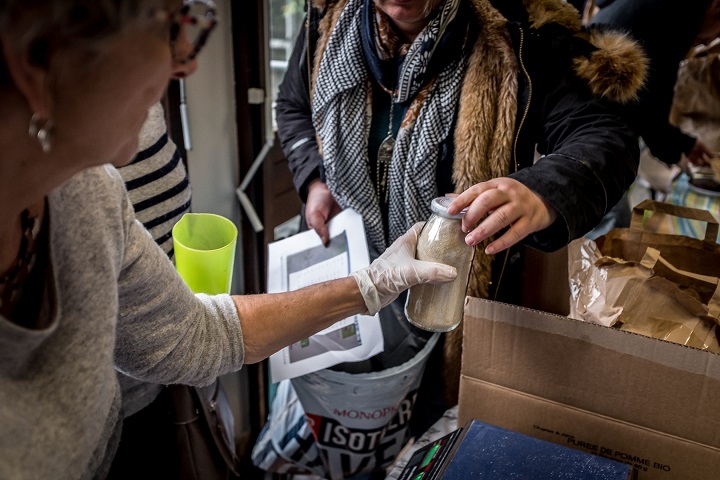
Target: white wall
213,161
211,103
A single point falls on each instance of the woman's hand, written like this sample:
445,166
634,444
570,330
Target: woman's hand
700,154
497,204
319,209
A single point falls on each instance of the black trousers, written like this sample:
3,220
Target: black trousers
147,445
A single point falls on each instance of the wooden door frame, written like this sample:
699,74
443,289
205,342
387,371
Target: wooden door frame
270,191
248,21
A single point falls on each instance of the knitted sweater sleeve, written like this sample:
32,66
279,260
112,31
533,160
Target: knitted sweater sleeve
165,333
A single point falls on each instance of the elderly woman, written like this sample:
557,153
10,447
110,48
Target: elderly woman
83,288
390,103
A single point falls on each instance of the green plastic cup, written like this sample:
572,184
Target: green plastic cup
205,251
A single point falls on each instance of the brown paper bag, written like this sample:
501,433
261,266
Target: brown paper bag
674,305
650,297
685,253
600,286
697,87
715,166
626,279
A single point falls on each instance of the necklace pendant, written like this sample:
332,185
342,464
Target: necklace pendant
384,158
385,151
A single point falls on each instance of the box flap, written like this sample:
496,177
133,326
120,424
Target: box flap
645,381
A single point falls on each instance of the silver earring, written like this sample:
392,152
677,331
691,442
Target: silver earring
42,130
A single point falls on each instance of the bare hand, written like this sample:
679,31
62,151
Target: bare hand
499,203
700,154
319,209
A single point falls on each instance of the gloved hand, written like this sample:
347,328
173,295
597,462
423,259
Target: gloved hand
397,270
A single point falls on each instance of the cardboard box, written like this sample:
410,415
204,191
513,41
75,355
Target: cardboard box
646,402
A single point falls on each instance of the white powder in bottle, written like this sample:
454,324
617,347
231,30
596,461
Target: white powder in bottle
440,308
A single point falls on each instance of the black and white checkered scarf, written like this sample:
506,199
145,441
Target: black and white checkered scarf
342,116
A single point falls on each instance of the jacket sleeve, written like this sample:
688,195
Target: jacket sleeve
666,30
665,141
294,119
650,115
589,159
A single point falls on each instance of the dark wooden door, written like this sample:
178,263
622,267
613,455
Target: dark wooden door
270,189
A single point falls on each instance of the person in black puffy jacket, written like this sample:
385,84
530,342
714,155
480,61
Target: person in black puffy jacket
386,105
666,29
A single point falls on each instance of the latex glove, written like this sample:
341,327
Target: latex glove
396,270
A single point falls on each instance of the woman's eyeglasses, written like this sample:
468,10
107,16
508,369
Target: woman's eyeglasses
190,26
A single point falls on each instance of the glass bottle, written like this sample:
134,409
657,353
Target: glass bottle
440,308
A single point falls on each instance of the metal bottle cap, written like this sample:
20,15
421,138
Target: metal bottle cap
439,206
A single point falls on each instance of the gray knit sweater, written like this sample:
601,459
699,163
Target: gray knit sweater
159,190
114,299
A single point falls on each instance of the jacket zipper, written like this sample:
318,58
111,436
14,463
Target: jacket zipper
515,142
529,99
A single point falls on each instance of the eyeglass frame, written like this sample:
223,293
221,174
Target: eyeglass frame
179,17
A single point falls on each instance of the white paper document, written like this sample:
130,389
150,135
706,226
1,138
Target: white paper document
302,260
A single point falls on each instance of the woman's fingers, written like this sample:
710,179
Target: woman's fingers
501,205
513,235
319,209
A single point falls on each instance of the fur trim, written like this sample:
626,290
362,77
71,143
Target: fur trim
327,24
486,119
321,4
617,69
543,12
483,147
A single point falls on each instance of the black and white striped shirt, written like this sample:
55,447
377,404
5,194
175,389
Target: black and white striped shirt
157,181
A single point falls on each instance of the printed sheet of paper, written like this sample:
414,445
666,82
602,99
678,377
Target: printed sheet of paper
302,260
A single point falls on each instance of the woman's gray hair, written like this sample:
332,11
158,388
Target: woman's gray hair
48,24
